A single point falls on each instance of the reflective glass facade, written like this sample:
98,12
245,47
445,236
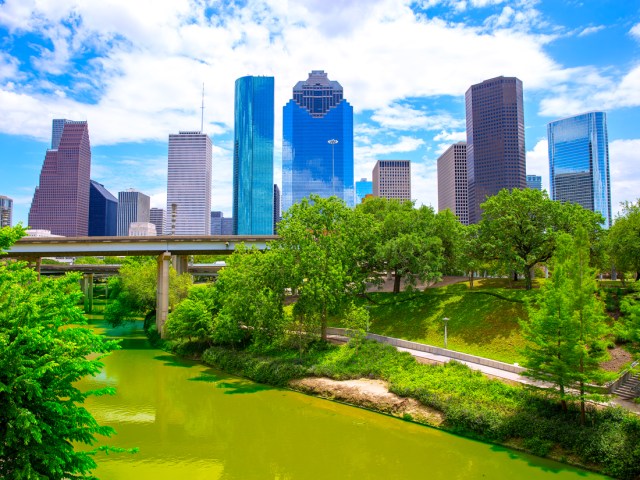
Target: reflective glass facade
310,164
579,162
6,210
363,188
495,140
534,182
103,211
253,203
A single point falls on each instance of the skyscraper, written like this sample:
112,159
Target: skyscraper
276,206
61,200
6,210
392,179
452,181
103,211
253,157
317,145
158,217
364,187
133,207
534,182
189,184
579,162
495,140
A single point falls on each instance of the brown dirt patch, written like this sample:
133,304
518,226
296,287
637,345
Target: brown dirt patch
370,394
619,358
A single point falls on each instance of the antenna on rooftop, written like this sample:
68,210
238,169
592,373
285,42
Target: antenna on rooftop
202,110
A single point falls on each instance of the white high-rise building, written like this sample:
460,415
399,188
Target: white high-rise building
133,206
158,217
189,184
392,179
452,181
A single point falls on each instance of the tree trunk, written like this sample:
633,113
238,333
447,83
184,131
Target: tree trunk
471,279
637,275
515,275
396,283
527,278
582,406
323,324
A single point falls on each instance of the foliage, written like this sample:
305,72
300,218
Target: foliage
519,228
9,236
452,235
629,325
406,241
566,333
43,353
624,239
133,291
356,319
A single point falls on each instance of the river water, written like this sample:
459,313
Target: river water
192,422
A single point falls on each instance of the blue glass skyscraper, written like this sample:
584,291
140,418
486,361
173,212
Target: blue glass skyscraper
317,144
363,188
103,211
253,157
579,162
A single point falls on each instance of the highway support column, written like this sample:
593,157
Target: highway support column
162,294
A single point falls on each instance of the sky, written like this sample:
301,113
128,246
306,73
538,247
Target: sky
135,71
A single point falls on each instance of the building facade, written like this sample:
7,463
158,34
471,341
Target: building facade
158,217
317,144
392,179
61,200
534,182
142,229
364,187
276,207
6,211
221,225
133,206
495,140
579,162
452,181
189,184
253,206
103,211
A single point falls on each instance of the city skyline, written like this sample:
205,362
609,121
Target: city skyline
136,77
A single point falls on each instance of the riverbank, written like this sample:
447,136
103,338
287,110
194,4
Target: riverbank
450,397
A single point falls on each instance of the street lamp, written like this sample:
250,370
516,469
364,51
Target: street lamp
333,142
445,320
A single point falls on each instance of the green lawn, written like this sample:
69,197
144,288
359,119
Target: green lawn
482,321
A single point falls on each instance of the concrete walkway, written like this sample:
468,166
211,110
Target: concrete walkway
426,357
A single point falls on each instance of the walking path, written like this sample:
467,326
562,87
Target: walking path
427,357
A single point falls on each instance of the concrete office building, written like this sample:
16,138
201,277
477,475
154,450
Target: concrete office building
142,229
6,211
534,182
133,206
317,142
579,162
103,211
495,140
189,184
253,208
392,179
61,200
221,225
452,181
158,217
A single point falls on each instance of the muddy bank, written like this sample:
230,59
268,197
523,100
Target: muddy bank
370,394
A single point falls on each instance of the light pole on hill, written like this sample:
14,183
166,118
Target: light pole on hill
445,320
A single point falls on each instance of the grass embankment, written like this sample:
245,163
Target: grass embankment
471,404
483,321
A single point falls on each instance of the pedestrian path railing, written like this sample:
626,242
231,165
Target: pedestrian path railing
626,373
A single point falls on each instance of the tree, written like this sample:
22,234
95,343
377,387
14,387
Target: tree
43,353
452,235
566,333
624,239
520,227
406,241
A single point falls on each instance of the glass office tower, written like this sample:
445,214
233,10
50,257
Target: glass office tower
579,162
364,187
253,157
317,145
103,211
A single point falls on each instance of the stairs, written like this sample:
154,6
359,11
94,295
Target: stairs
630,388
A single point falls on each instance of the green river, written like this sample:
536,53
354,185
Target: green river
192,422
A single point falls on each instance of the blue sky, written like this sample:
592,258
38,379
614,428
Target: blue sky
134,70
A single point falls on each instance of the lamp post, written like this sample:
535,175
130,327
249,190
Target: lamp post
445,320
333,142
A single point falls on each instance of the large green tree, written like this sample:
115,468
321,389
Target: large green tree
406,241
566,331
43,353
519,228
624,239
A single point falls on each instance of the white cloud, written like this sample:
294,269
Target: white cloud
451,137
538,162
624,167
403,117
8,66
635,31
590,30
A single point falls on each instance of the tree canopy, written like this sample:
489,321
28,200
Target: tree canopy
624,239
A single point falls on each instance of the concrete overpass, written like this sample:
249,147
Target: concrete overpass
162,247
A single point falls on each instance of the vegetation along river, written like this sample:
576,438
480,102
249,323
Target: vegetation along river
192,422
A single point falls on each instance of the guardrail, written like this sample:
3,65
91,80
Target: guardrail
611,387
421,347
